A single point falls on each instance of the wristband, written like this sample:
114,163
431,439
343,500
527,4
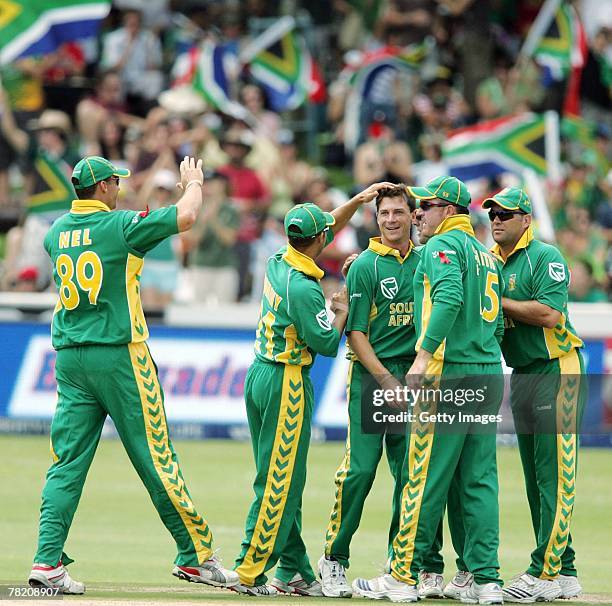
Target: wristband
192,182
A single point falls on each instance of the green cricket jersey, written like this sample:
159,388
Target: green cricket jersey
535,271
457,294
293,323
97,258
381,295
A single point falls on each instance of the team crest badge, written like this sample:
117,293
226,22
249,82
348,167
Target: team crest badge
556,271
389,287
323,320
512,282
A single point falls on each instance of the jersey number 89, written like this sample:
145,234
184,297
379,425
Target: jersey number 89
89,274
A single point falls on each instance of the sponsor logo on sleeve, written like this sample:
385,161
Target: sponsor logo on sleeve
556,271
323,320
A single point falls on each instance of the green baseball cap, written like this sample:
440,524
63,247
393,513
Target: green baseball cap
306,220
510,198
93,169
448,189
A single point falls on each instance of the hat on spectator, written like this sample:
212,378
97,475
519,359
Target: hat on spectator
307,220
164,179
448,189
52,119
510,198
93,169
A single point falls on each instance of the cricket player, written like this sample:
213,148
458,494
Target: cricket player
459,325
293,328
104,367
381,337
547,392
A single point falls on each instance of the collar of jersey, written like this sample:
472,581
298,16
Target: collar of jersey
302,263
460,222
379,248
523,242
83,207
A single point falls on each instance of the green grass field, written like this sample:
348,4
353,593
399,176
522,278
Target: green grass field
123,553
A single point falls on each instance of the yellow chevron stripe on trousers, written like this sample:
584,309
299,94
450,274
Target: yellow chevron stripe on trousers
336,515
567,413
419,453
278,480
166,467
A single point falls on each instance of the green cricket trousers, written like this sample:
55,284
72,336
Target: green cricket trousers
547,399
121,381
355,476
279,401
443,456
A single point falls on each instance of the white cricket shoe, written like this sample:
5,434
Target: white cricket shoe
298,586
527,589
489,593
260,591
333,579
458,584
386,587
210,572
431,585
54,577
570,586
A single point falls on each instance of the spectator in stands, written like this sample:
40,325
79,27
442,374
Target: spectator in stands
105,104
136,54
251,196
432,164
211,244
582,288
268,122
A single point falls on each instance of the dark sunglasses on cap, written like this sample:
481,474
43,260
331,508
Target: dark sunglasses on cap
425,205
503,215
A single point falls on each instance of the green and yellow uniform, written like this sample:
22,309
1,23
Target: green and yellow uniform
458,320
104,367
546,409
380,290
293,327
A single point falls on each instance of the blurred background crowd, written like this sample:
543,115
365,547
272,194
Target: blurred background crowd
139,93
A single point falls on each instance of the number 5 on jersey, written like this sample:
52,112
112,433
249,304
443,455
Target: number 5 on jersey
490,314
89,275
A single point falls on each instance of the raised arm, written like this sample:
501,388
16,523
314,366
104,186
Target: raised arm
14,135
190,203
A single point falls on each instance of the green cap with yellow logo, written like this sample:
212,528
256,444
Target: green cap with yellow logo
510,198
448,189
306,220
93,169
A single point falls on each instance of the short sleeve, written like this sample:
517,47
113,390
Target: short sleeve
360,294
145,230
551,279
308,313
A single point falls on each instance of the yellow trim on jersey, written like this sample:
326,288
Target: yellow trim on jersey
425,317
335,519
523,242
379,248
278,480
162,456
559,340
84,207
419,453
302,263
460,222
133,270
567,414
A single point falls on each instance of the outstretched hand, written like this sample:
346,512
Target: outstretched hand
191,172
368,194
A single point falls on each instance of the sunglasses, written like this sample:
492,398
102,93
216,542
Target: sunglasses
114,179
503,215
426,205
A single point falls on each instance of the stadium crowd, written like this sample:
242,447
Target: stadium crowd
113,96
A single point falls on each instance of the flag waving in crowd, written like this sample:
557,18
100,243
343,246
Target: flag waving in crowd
35,27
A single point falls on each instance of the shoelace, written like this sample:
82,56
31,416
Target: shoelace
429,579
462,576
336,572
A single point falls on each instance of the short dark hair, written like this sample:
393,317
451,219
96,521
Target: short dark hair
397,191
461,210
301,243
85,193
